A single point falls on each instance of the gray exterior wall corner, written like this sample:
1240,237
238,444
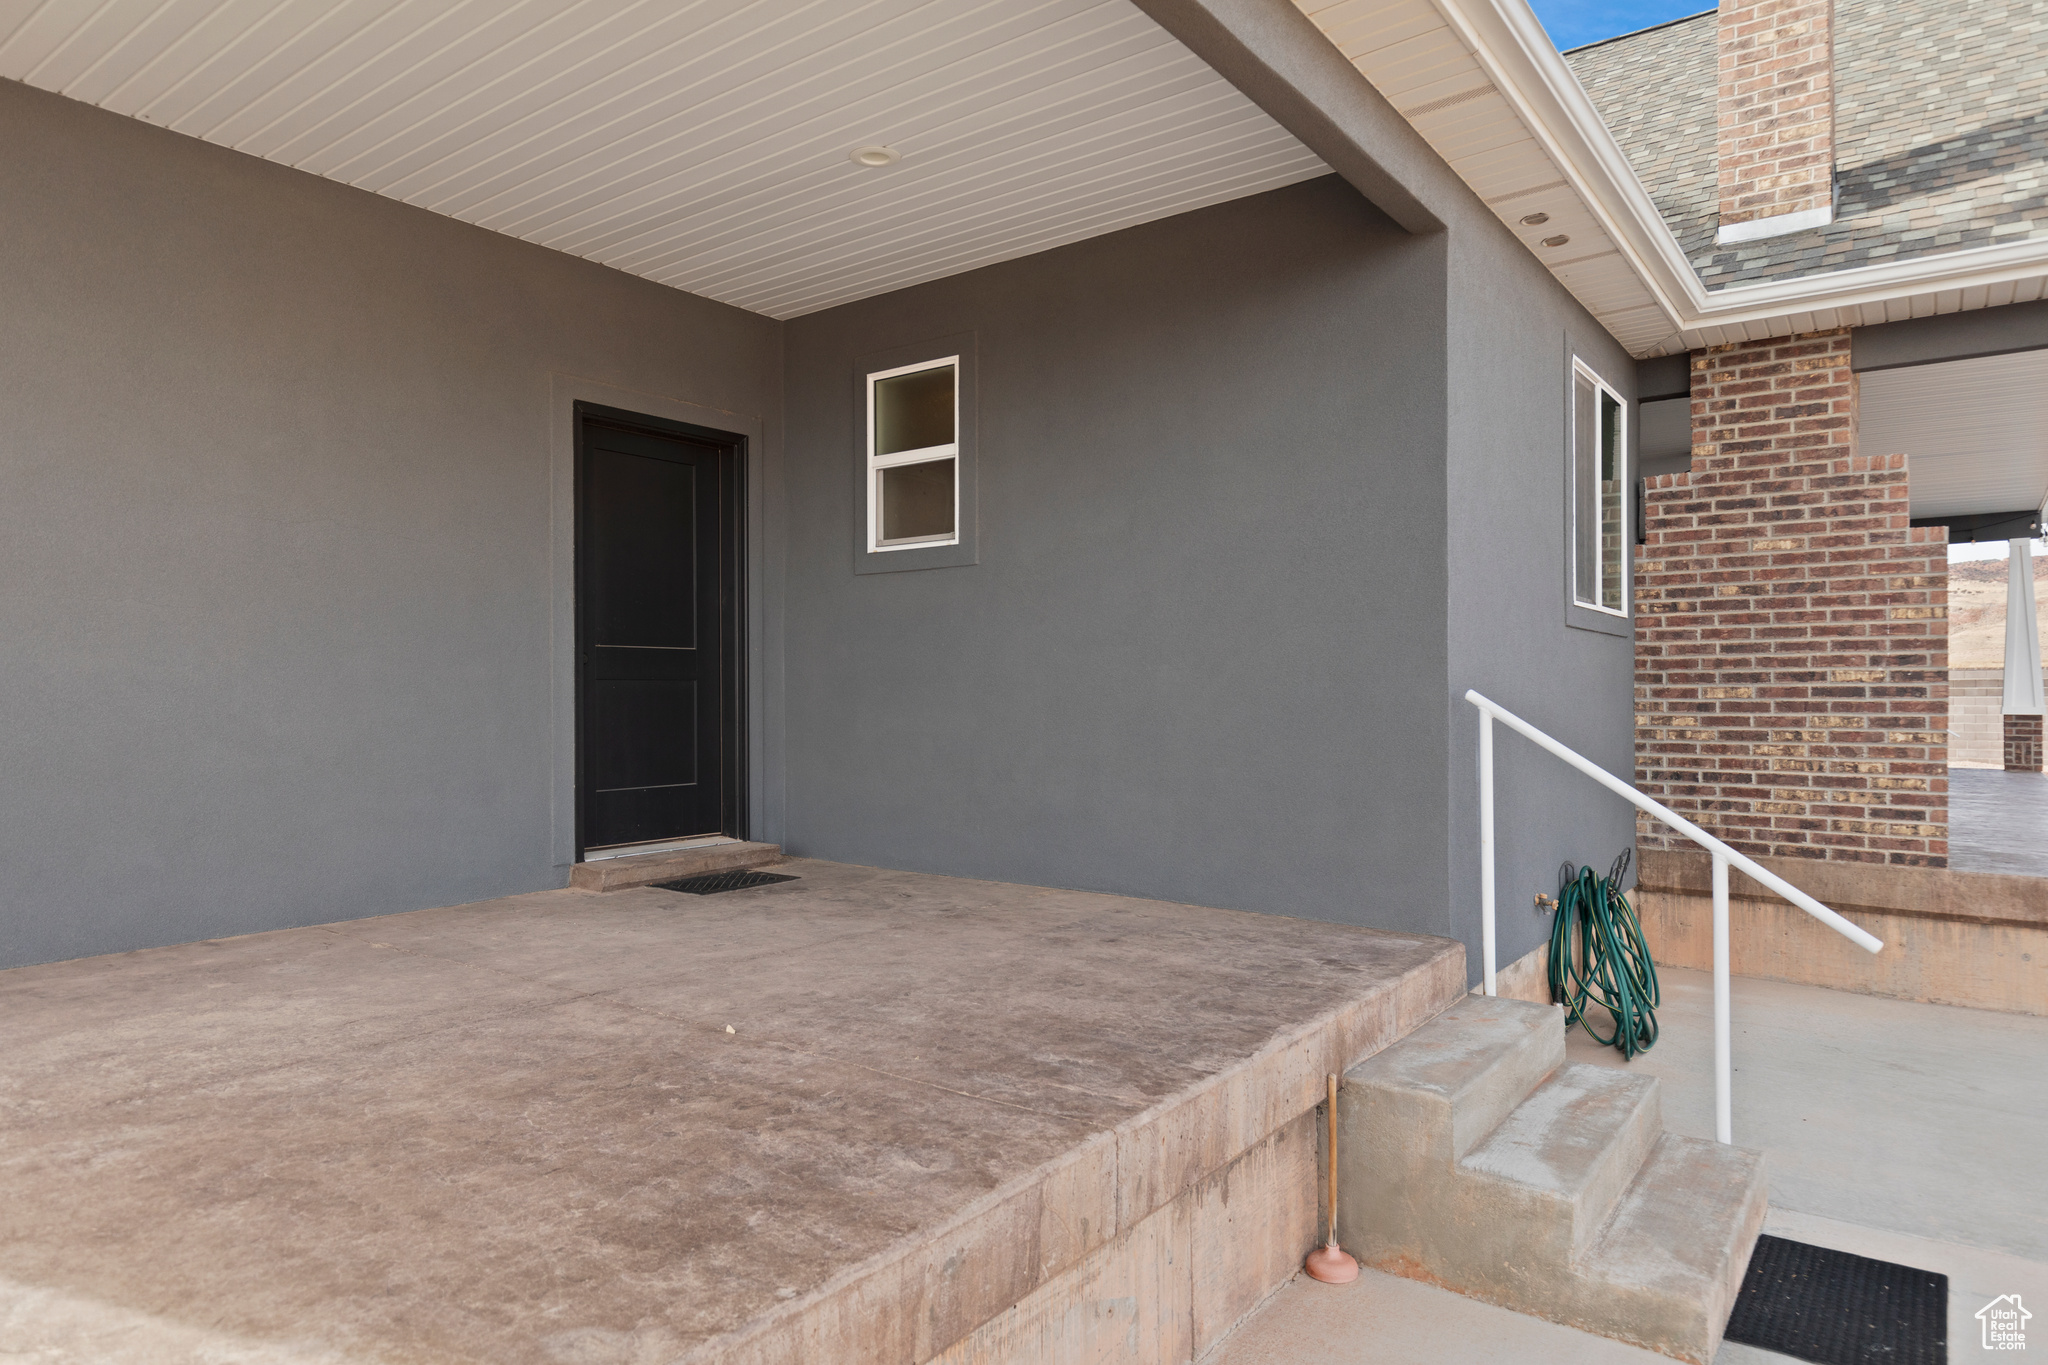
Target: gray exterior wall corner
1507,632
1201,657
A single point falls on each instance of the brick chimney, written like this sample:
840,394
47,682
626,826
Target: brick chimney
1775,115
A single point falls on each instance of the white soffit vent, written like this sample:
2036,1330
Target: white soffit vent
1976,431
1413,56
705,145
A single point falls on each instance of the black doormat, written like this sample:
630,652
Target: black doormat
711,883
1837,1309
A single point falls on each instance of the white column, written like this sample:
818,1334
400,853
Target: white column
1724,1049
2022,634
1486,949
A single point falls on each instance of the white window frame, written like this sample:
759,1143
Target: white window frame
1622,466
878,463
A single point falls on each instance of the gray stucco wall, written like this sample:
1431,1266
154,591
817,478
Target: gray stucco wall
1202,656
1512,334
280,627
1264,489
1508,322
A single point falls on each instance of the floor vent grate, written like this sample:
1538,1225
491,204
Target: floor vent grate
711,883
1835,1308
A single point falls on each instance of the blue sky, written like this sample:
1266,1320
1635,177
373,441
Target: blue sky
1574,23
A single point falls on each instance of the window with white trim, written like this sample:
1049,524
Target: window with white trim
1599,484
914,456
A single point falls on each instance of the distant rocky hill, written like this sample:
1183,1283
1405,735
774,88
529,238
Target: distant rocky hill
1976,611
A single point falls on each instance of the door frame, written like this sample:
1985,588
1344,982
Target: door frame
732,623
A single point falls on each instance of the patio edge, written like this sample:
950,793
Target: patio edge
1145,1242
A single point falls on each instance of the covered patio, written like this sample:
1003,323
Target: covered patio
856,1115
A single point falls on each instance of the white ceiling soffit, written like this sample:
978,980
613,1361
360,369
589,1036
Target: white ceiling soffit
1482,83
703,144
1975,431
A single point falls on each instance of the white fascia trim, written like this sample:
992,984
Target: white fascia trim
1777,225
1518,57
1984,265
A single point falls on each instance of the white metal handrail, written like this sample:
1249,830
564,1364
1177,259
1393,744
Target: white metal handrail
1489,711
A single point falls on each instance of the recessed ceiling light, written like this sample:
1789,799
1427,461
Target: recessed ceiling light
1535,219
1558,240
874,156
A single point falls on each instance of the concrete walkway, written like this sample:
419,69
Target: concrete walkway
1998,821
1386,1320
1911,1133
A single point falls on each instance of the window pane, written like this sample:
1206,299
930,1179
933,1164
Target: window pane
1611,522
917,501
1585,491
914,411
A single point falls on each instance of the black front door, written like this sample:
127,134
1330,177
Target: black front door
657,616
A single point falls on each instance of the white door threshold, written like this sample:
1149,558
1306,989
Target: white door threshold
656,846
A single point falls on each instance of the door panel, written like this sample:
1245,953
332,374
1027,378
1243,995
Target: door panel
643,573
644,733
657,638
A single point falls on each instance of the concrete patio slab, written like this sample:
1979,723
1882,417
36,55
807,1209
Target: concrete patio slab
1918,1119
1382,1319
855,1116
1998,822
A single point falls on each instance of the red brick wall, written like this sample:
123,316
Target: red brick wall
1775,110
2023,744
1791,628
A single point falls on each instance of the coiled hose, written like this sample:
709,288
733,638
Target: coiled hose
1598,957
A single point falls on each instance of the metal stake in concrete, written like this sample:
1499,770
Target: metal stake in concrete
1328,1262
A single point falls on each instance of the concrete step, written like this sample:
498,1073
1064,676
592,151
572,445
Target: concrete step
1468,1068
645,869
1572,1149
1474,1160
1668,1267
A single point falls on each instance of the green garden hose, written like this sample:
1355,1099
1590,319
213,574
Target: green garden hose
1598,957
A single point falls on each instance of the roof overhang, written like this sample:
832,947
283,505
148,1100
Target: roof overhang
723,167
1484,86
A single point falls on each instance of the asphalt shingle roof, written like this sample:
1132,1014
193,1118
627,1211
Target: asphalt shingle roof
1941,133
